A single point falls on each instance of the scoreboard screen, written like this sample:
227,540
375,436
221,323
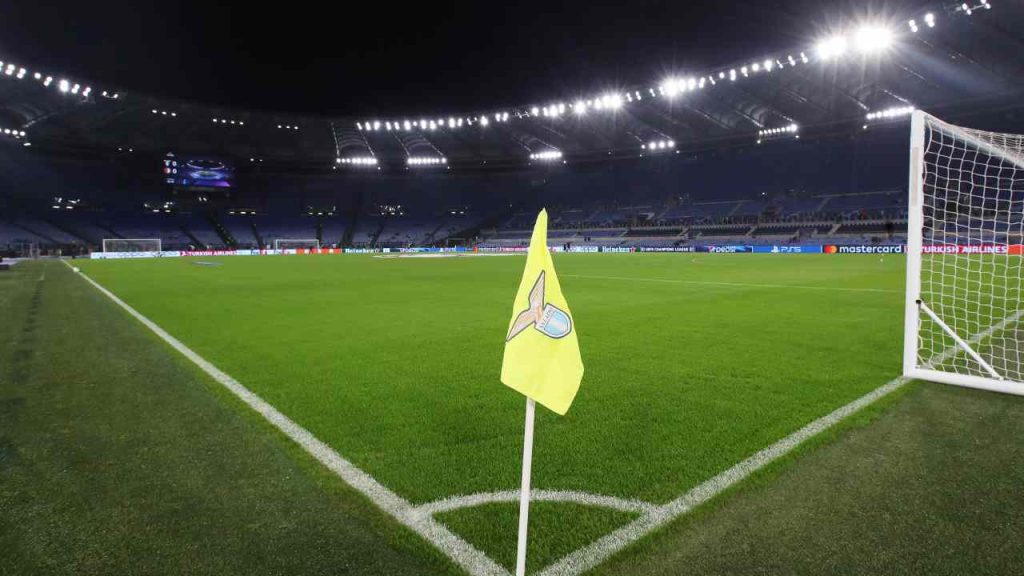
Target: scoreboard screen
197,171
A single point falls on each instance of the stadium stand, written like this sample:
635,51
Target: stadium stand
624,203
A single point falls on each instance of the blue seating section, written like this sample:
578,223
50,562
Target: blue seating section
788,189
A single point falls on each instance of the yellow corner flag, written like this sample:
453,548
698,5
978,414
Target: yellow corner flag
542,354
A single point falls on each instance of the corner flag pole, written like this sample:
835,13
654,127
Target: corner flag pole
524,493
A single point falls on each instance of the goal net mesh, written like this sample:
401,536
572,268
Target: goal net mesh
296,243
131,245
971,274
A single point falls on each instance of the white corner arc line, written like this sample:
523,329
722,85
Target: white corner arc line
563,496
734,284
461,552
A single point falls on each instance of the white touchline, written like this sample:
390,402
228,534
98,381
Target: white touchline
464,554
419,518
733,284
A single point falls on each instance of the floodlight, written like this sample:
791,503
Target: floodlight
872,39
831,47
547,155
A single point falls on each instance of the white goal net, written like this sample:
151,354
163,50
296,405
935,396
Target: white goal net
965,319
296,243
131,245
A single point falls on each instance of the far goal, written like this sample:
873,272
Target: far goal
296,243
964,321
131,245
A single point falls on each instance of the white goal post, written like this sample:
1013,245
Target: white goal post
131,245
964,320
293,243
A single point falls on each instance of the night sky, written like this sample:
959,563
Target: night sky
379,58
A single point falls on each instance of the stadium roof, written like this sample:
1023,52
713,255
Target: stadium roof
953,61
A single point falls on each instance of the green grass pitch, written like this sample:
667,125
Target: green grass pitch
693,363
